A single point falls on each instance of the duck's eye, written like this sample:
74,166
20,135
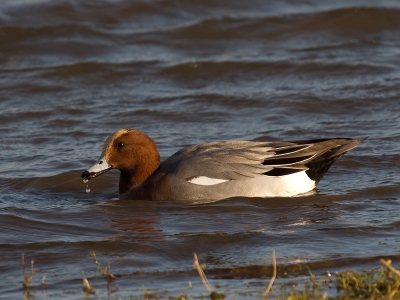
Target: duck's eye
120,145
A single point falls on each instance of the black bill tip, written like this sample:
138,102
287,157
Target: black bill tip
86,175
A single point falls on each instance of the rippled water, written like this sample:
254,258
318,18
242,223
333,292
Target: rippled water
185,72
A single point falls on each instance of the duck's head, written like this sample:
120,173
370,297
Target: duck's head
130,151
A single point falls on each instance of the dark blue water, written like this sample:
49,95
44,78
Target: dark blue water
73,72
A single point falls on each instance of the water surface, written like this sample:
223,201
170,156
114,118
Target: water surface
73,72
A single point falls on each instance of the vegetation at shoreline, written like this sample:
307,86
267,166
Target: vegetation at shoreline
378,284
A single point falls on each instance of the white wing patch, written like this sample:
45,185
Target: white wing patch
204,180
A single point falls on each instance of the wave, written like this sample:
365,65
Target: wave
229,68
64,20
67,182
342,21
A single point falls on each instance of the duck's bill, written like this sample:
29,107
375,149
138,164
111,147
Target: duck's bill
97,169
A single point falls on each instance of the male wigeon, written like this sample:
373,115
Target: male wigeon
217,170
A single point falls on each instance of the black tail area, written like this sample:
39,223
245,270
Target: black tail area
318,166
313,156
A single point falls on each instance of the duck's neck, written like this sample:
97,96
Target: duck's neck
129,179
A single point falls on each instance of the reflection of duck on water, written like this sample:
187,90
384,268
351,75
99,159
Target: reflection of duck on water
132,220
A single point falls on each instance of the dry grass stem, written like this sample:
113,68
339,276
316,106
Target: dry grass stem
27,277
273,276
87,287
105,271
110,290
387,264
43,279
201,273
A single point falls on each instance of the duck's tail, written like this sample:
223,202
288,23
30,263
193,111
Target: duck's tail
315,157
333,149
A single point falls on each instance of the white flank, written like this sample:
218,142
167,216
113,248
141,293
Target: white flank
292,184
204,180
101,165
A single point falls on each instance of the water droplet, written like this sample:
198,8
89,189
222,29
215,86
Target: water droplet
87,185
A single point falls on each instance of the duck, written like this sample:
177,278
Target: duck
217,170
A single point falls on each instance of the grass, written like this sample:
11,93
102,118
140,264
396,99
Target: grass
27,277
381,283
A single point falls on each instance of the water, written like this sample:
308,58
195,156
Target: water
73,72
